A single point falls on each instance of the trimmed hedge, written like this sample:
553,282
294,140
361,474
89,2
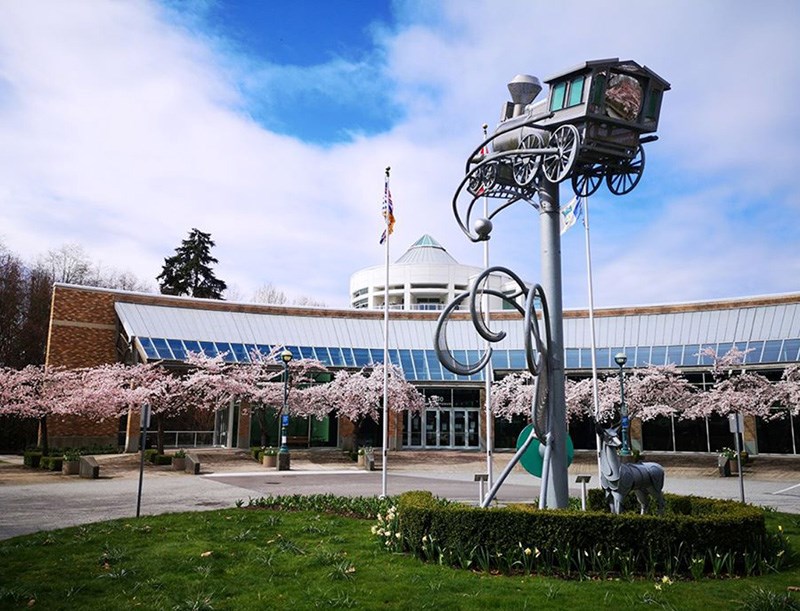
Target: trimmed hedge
692,528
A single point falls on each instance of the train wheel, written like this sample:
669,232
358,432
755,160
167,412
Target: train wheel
558,165
624,178
526,164
587,179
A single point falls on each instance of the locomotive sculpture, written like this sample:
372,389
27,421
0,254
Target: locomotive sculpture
591,127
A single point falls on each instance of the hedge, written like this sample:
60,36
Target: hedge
692,528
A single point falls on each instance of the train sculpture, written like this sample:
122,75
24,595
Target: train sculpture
591,127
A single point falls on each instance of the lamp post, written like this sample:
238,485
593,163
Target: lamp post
620,359
283,453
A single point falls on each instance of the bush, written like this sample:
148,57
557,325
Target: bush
32,458
162,459
51,463
150,455
692,535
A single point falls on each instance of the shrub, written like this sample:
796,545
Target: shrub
570,540
179,454
72,455
32,458
150,455
51,463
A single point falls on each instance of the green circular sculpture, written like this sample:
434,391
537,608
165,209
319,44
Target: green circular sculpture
533,458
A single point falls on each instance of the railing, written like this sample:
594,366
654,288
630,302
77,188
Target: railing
182,439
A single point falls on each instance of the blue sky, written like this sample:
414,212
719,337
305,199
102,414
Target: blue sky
269,124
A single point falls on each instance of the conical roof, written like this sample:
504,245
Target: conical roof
427,250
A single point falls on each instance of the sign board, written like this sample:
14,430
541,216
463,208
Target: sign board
285,420
732,422
146,416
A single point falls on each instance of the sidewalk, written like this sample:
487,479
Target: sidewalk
32,500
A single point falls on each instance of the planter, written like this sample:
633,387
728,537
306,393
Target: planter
71,467
178,464
361,459
724,465
270,461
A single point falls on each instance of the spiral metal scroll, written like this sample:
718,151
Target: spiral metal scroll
537,345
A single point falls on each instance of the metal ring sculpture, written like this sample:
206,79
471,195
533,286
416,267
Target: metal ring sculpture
537,347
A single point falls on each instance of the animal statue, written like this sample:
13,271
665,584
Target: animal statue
618,478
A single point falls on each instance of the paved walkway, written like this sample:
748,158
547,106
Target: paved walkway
32,501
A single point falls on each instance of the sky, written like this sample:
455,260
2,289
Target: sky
125,124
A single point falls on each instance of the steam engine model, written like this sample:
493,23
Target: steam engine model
592,126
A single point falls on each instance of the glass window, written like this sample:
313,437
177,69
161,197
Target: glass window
296,355
322,355
240,352
349,357
362,357
754,354
790,349
653,105
407,364
337,359
418,356
658,355
557,96
250,350
575,91
598,88
674,355
434,366
573,359
772,351
376,355
225,348
724,348
264,350
192,346
691,354
177,349
602,358
517,359
208,349
162,348
307,352
642,357
500,359
148,347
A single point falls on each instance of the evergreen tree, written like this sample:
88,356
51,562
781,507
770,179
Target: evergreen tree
188,271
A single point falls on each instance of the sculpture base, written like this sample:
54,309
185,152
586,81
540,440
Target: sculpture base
283,461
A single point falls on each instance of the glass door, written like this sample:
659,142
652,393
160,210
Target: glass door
459,428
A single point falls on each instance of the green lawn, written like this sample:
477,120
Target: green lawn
267,559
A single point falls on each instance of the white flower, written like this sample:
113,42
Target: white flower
397,535
528,551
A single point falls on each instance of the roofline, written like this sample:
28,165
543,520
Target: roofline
314,311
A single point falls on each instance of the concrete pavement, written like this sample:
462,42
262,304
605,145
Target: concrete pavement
60,501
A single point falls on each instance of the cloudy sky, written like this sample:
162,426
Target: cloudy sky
124,124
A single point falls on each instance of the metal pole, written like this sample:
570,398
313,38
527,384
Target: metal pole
625,450
550,233
284,458
488,369
739,461
144,423
385,424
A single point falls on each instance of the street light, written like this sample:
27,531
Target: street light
620,359
283,453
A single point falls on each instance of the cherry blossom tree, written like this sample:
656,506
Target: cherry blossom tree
788,389
745,392
358,395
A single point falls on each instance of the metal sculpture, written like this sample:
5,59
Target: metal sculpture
617,479
537,353
590,128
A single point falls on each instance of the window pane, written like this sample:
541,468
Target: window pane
208,349
349,357
149,350
306,352
658,355
674,355
192,346
573,358
642,356
225,348
575,91
790,348
500,359
336,357
418,356
322,355
376,355
434,366
691,354
772,350
161,348
557,96
362,357
240,352
517,358
177,349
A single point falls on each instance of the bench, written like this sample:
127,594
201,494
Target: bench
192,464
89,468
297,441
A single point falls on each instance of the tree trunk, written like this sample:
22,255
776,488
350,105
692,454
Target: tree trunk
42,441
160,435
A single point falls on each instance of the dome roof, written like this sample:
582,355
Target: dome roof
427,250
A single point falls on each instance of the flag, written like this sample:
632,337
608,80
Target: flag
387,211
570,213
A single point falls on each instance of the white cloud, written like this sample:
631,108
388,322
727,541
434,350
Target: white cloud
121,128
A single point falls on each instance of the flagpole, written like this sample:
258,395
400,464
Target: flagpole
385,450
592,339
488,369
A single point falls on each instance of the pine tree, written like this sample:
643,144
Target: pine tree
188,271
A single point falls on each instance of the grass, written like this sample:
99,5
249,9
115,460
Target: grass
268,559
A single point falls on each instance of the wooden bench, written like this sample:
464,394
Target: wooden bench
192,464
297,441
89,468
